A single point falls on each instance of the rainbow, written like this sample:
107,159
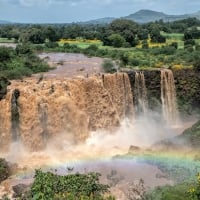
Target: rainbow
178,166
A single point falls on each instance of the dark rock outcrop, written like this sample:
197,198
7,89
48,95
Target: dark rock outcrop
3,87
21,191
4,170
187,83
15,114
152,80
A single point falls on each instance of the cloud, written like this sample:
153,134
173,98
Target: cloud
73,2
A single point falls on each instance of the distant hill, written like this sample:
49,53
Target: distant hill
197,15
145,16
105,20
4,22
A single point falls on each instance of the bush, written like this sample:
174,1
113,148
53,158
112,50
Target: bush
17,73
4,170
116,40
49,186
51,44
108,66
196,65
20,62
194,192
177,192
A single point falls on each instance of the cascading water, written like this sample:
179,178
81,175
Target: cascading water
140,93
119,88
168,97
71,107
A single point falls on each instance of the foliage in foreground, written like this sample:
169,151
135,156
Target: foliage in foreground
181,191
4,171
49,186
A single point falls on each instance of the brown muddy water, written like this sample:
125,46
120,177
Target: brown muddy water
71,65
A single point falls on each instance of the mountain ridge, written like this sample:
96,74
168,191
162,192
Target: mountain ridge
5,22
145,16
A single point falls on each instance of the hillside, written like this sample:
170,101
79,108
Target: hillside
145,16
105,20
4,22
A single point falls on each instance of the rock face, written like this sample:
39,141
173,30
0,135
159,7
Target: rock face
153,88
192,135
3,87
4,170
188,90
33,112
187,82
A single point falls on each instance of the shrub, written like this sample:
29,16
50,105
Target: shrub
4,171
49,186
108,66
51,44
196,65
116,40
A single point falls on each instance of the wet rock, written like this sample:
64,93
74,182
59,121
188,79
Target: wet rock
20,190
4,170
4,82
162,176
133,149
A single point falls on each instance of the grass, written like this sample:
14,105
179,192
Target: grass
176,36
81,43
7,40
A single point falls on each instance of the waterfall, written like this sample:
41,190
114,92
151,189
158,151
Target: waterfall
168,98
140,93
38,112
119,88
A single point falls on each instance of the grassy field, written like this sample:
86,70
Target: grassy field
175,36
81,43
6,40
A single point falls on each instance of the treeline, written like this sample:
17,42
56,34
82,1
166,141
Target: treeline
31,39
120,33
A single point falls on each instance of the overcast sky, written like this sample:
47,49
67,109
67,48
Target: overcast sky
41,11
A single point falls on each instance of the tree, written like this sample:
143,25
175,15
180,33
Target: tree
5,57
50,34
5,54
126,28
143,34
116,40
145,44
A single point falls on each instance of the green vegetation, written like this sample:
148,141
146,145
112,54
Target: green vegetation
178,192
49,186
4,171
7,40
19,62
192,135
155,44
109,66
187,190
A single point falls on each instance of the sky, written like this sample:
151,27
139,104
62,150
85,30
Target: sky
65,11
